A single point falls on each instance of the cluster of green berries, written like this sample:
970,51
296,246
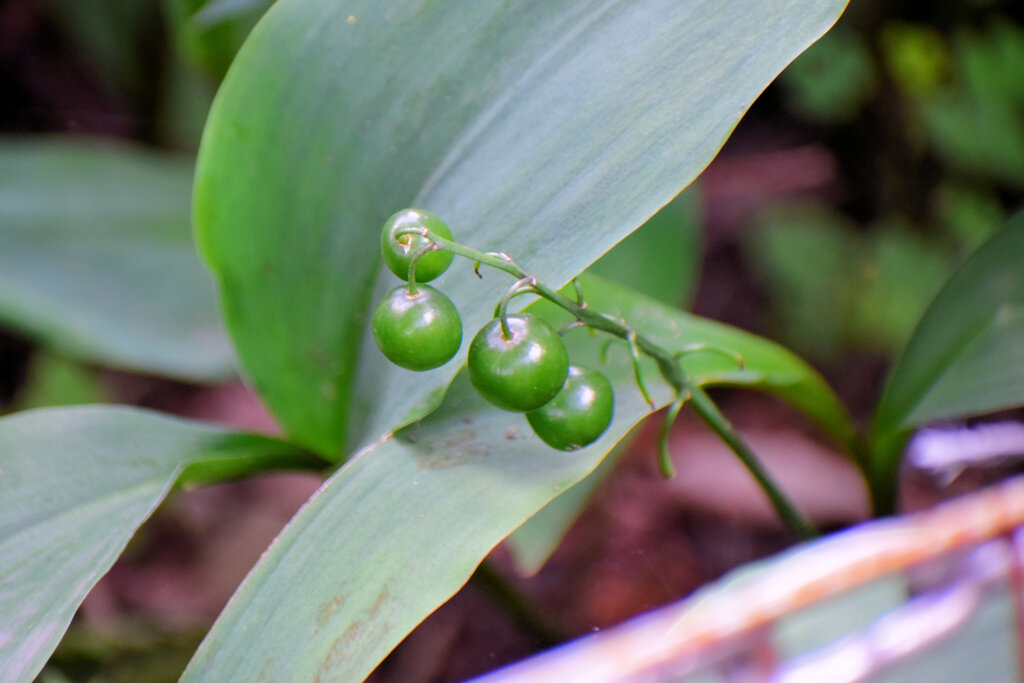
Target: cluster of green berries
517,362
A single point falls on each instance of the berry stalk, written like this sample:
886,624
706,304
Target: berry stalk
668,365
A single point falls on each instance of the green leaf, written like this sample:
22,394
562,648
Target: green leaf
833,287
534,542
75,484
982,137
402,526
96,258
212,12
903,273
966,356
208,33
56,381
773,369
808,258
546,130
662,257
831,81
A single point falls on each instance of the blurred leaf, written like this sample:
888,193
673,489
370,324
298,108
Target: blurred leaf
916,57
898,279
114,35
977,122
831,81
992,61
75,484
215,11
209,34
808,257
662,258
971,215
983,137
57,381
546,130
122,648
184,102
834,288
96,258
984,648
966,356
403,525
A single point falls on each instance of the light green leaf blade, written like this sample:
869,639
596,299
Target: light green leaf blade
96,258
546,130
400,527
75,484
533,543
966,356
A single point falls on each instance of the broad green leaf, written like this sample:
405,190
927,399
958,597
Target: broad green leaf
966,356
75,484
403,525
548,130
532,544
96,258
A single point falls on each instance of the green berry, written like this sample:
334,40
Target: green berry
417,330
521,372
578,414
398,250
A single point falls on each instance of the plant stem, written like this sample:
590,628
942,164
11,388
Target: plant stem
713,418
668,365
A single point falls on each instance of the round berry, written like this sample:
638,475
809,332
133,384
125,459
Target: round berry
578,414
398,250
521,372
417,330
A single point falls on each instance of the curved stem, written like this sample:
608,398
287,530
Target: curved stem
413,261
502,312
412,265
668,365
668,470
713,418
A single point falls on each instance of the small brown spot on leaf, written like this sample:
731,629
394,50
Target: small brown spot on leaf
329,610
